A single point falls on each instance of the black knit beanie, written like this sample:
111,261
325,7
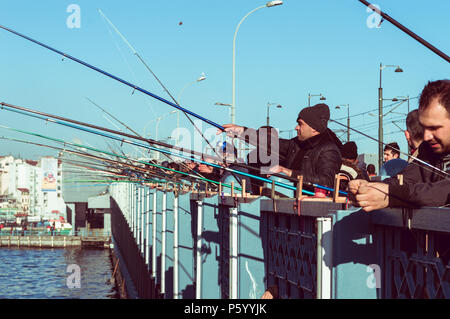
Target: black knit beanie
350,150
316,116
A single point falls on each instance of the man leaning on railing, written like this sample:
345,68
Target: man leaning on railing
425,182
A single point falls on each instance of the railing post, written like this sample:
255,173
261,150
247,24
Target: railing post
175,246
163,243
147,236
324,246
136,212
138,217
143,215
132,209
154,227
198,270
233,261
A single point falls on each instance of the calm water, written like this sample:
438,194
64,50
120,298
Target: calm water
47,274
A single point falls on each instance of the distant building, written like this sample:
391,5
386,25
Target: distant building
31,187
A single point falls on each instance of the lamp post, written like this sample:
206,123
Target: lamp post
348,119
233,104
380,114
268,105
224,104
201,78
322,98
403,98
156,126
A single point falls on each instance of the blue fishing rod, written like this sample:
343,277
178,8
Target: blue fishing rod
122,140
135,87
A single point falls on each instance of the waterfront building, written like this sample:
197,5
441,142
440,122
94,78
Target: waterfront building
31,187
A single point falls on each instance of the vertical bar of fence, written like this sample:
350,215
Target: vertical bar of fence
139,217
147,231
163,243
324,271
175,246
143,215
198,271
155,195
233,224
132,209
136,212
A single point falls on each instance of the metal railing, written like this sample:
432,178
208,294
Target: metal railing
179,244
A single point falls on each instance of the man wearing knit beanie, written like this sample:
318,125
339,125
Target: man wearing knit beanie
313,154
350,169
316,117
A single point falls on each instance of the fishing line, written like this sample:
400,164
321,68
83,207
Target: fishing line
107,160
162,85
160,150
427,166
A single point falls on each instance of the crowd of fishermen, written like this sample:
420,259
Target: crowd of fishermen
318,156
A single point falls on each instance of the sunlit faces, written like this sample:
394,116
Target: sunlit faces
436,123
304,131
388,155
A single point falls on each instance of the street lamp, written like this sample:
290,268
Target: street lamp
380,113
201,78
338,107
156,127
403,98
268,105
224,104
233,104
322,98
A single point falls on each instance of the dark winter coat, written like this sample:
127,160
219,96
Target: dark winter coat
422,185
318,159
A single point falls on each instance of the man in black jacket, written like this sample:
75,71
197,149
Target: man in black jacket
314,153
424,184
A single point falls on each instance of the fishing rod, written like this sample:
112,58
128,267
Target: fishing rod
427,165
135,169
105,169
8,107
73,152
159,150
137,134
407,31
135,87
150,141
19,110
160,83
107,153
90,156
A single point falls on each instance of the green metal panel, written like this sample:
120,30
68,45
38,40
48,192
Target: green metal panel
211,247
169,246
185,248
355,266
251,266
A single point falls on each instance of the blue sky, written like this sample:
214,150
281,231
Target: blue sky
283,54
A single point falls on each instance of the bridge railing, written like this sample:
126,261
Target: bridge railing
204,245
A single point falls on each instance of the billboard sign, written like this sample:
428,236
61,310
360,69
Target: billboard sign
49,170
